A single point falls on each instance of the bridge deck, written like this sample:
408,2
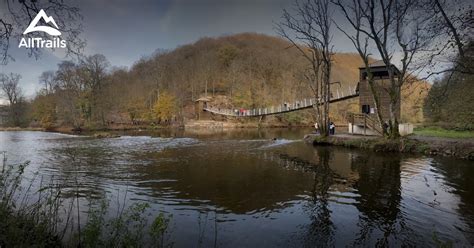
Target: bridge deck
282,108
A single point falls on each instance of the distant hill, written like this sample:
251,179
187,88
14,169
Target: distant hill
243,70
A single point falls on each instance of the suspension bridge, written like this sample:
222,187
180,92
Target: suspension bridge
338,95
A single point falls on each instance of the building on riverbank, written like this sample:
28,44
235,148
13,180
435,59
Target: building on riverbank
382,87
366,121
201,104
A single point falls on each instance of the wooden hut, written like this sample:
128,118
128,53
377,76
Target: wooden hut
366,121
200,105
382,87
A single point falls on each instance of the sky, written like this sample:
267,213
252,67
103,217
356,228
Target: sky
126,30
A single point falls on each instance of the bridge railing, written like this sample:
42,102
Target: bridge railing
284,107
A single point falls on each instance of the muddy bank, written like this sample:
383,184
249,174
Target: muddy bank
459,148
21,129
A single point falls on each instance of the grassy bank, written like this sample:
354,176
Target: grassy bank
444,133
460,148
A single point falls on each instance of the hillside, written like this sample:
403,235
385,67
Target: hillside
250,70
239,71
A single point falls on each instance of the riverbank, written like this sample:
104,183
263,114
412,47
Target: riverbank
21,129
201,125
435,146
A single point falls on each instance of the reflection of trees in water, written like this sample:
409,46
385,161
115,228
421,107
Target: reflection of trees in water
321,229
239,182
378,184
380,196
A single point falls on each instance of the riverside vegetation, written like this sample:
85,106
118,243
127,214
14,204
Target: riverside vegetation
460,148
49,218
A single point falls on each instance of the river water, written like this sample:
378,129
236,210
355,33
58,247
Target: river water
267,188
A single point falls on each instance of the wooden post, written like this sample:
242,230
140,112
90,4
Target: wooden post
352,126
365,124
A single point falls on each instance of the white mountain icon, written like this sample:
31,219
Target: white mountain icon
47,19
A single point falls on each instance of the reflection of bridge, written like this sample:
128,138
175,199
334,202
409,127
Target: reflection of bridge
284,107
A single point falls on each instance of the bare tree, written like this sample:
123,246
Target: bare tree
393,28
360,40
95,72
10,86
95,67
48,80
308,27
451,22
15,16
70,87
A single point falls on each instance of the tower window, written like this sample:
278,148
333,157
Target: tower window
366,109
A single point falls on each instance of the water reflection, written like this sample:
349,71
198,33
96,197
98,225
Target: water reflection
379,201
234,189
223,175
321,227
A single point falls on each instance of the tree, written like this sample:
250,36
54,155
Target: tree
70,88
95,72
136,109
309,30
10,86
17,15
47,79
451,22
450,100
165,107
391,27
44,110
227,54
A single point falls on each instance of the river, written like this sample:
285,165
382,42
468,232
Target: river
263,188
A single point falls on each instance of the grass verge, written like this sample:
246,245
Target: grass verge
443,133
459,148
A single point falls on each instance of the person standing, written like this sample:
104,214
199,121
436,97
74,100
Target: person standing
385,128
332,128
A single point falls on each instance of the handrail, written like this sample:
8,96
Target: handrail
366,120
282,108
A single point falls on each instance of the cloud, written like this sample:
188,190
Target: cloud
189,20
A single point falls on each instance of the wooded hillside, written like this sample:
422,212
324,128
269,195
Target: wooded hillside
245,70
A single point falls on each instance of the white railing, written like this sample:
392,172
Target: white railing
284,107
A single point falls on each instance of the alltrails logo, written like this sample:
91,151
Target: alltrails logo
56,42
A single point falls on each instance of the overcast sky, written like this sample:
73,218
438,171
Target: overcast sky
125,30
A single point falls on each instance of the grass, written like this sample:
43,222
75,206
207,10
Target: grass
443,133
